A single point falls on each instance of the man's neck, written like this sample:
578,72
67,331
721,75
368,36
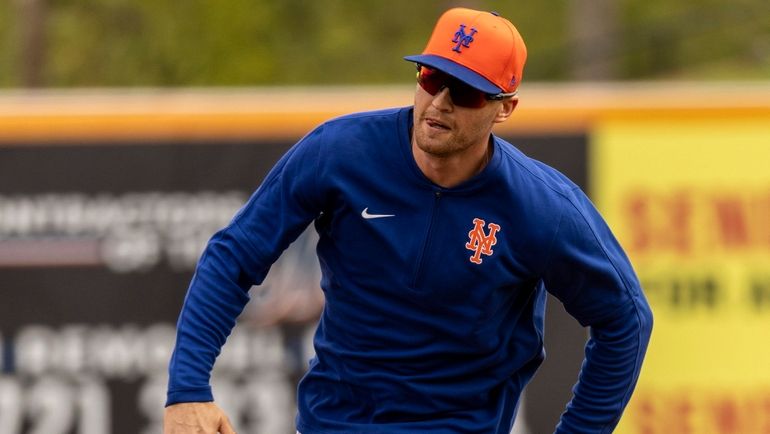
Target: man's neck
450,171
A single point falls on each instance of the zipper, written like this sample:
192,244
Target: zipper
426,244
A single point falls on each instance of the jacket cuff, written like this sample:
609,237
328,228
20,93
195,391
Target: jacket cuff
202,394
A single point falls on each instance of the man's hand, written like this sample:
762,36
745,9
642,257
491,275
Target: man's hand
196,417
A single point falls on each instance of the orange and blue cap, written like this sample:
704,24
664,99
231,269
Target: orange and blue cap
481,49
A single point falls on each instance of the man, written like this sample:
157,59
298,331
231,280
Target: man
437,243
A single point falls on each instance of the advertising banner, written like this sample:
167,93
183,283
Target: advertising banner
97,246
689,198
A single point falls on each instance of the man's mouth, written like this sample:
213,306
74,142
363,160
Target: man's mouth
434,123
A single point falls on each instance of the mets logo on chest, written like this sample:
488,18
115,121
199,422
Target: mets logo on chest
463,39
480,242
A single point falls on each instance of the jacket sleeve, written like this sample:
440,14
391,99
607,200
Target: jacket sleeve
238,257
589,272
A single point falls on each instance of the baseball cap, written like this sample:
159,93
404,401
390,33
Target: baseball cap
481,49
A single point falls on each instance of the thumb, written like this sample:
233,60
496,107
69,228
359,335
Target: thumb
225,427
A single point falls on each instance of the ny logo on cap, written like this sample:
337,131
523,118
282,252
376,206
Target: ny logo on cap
462,39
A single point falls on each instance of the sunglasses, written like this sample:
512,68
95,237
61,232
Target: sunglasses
433,81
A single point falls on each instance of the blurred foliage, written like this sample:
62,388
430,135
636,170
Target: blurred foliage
263,42
7,44
697,39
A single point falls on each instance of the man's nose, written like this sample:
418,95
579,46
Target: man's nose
442,100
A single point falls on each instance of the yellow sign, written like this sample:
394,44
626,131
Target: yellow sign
690,202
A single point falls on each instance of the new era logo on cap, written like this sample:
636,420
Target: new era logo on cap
485,50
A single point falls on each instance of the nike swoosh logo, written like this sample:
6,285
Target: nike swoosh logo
365,214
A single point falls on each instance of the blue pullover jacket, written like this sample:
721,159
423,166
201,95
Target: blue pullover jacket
435,296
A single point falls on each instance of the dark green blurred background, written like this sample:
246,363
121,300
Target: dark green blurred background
73,43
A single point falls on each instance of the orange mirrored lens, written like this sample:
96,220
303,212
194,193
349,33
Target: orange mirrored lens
433,81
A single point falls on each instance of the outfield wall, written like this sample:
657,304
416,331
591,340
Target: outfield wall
107,197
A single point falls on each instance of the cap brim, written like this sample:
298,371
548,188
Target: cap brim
456,70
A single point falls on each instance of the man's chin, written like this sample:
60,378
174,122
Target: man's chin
435,148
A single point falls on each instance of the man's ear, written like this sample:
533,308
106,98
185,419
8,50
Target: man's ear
506,109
